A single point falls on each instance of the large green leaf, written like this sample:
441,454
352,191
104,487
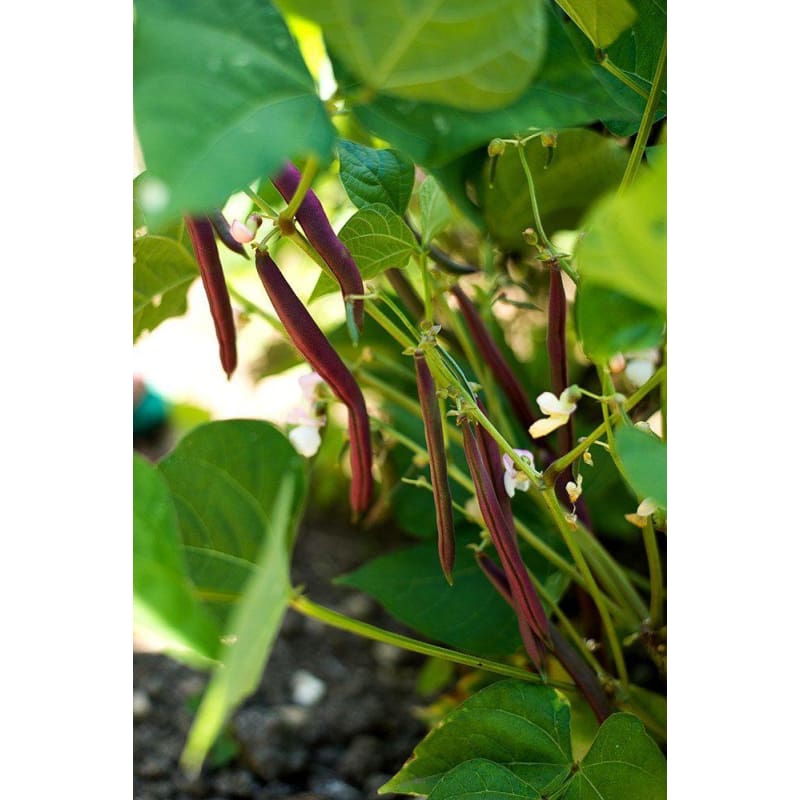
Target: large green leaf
569,90
224,478
637,50
601,20
221,97
623,763
375,176
644,462
378,239
460,53
521,726
585,165
252,631
164,600
469,615
610,322
163,270
625,246
480,779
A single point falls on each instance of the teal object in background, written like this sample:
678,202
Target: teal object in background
150,412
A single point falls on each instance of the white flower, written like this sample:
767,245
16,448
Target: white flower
557,410
241,232
645,509
308,385
306,439
575,490
514,478
641,366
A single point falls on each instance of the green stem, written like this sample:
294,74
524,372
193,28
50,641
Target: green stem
608,65
306,179
591,584
389,326
534,205
656,578
426,287
260,202
560,464
647,121
307,607
251,308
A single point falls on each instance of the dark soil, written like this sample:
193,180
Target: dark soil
341,747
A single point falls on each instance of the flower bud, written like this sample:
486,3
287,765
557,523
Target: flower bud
550,139
241,232
496,148
530,236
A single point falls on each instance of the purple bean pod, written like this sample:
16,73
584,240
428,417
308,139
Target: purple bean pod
495,360
585,679
205,250
223,230
434,438
503,537
317,350
311,215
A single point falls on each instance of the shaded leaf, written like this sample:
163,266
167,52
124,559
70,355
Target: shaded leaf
435,212
568,90
644,461
623,763
584,167
480,779
375,176
254,626
461,53
469,615
163,270
221,97
636,51
521,726
625,246
164,600
601,20
610,322
377,238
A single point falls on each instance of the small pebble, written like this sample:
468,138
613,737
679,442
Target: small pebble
385,654
141,704
307,689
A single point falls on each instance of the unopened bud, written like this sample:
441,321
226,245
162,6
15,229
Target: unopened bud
616,363
587,458
530,236
244,232
550,139
496,148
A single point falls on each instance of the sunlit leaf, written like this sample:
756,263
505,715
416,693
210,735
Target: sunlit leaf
460,53
163,270
164,600
221,97
601,20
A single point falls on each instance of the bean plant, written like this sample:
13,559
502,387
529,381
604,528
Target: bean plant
479,192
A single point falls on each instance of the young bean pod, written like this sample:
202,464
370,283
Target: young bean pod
434,438
205,250
317,350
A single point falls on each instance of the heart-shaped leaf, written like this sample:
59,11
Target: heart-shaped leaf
164,598
375,176
460,53
163,270
221,97
480,779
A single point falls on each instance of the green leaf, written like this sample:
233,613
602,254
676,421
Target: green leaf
601,20
377,238
163,270
375,176
623,763
644,462
469,615
625,247
585,165
224,478
521,726
253,629
435,211
164,601
221,97
636,51
610,322
569,90
464,54
479,779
